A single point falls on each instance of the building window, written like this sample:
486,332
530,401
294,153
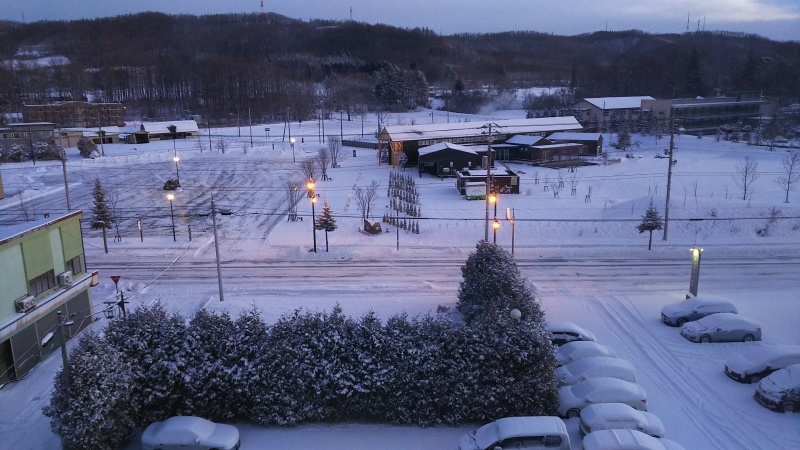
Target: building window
75,265
42,283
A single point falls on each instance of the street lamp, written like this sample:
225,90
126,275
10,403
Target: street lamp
341,126
695,280
291,141
511,217
495,226
171,197
310,186
177,173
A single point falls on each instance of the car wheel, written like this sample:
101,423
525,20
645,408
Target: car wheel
705,338
789,407
749,338
574,412
680,322
755,378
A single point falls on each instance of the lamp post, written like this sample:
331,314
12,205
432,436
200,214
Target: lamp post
510,217
266,131
291,141
63,341
695,280
177,173
495,226
341,126
310,186
495,223
171,197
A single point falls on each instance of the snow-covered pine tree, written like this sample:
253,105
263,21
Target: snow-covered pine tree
208,350
326,222
492,287
651,221
101,213
151,340
98,411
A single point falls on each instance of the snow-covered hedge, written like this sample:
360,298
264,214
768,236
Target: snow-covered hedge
308,367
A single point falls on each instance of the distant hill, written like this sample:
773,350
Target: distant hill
212,65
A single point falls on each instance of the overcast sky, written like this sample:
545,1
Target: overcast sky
775,19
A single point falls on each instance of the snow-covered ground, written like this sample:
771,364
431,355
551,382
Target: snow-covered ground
586,258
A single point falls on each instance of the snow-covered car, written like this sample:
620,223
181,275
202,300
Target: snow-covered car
572,399
754,365
722,327
623,439
780,391
575,350
594,367
564,332
518,432
189,432
693,309
610,416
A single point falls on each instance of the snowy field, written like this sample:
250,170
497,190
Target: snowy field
586,259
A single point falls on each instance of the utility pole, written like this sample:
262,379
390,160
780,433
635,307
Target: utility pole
250,118
669,174
488,181
64,169
60,324
216,247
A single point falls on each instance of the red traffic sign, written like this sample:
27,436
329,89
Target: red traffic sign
115,278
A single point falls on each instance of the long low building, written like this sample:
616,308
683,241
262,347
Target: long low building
400,144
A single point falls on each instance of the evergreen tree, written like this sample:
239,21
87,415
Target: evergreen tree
326,222
651,221
493,286
97,412
101,213
624,138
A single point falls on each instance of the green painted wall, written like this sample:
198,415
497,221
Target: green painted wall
71,238
37,254
13,284
56,250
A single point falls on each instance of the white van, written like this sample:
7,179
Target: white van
539,432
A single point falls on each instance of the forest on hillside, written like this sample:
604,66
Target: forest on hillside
272,67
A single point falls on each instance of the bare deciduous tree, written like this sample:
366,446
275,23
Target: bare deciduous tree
308,168
791,168
322,159
222,145
294,191
335,150
746,174
365,198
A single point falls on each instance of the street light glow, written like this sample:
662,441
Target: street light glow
170,197
176,159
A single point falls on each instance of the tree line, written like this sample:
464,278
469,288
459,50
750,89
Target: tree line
269,67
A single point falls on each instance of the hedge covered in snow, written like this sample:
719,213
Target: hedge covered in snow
307,367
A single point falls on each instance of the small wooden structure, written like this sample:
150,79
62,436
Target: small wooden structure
504,180
445,159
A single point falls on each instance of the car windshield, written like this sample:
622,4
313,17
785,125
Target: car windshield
487,435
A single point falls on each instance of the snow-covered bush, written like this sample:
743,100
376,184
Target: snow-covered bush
493,286
86,147
97,412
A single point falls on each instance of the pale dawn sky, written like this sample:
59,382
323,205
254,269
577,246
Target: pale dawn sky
775,19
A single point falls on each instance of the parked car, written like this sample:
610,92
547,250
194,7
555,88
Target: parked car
722,327
626,440
752,366
188,432
518,432
594,367
575,350
693,309
609,416
780,391
563,332
572,399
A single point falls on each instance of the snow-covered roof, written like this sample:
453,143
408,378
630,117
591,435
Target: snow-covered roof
17,230
522,139
182,126
566,144
452,130
618,102
443,146
562,136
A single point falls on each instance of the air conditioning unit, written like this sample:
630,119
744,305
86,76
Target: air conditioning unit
65,278
25,304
